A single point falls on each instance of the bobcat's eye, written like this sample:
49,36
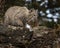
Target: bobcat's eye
31,10
34,15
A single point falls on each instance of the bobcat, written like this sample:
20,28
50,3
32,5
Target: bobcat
13,15
19,16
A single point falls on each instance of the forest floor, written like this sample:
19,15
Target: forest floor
42,37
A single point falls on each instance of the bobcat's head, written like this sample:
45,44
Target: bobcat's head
32,19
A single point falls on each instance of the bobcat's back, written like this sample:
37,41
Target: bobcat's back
14,15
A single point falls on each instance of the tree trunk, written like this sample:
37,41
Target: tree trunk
2,4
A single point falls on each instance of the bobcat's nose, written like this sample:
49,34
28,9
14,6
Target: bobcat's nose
29,27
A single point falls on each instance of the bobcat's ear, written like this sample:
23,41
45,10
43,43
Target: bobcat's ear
31,10
36,11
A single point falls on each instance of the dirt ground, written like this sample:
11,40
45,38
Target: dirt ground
42,37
